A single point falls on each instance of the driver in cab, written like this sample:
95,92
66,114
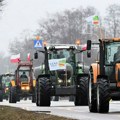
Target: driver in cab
117,55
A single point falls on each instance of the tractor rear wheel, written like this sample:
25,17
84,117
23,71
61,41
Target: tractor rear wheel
56,98
92,94
71,98
12,96
1,95
34,96
36,93
103,95
81,98
43,92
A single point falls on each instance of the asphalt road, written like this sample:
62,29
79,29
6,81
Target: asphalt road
67,109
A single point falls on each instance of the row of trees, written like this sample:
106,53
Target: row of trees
67,26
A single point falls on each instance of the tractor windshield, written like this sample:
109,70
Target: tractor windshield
24,75
6,79
112,52
63,53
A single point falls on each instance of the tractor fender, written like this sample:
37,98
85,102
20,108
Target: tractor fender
44,75
102,76
12,83
96,71
82,75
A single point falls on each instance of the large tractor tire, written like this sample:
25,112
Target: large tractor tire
92,94
103,95
13,95
71,98
56,98
43,92
1,95
34,96
18,98
81,98
36,93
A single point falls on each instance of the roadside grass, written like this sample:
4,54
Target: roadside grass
11,113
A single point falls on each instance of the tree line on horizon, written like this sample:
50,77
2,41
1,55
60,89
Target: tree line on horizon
67,26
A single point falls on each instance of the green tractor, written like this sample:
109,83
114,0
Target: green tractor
69,81
4,85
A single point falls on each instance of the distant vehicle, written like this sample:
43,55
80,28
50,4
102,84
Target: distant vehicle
4,85
23,86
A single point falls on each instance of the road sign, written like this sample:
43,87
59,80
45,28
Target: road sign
38,43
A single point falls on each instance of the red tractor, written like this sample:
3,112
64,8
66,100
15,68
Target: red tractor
23,85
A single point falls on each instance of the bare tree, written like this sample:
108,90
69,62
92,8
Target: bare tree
1,5
112,20
65,27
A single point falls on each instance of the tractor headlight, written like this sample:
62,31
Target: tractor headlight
7,89
27,88
60,81
23,88
69,81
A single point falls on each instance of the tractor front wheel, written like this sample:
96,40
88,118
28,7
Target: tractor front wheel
12,96
43,92
1,95
103,95
92,94
81,98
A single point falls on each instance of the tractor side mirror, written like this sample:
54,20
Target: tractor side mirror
88,48
88,44
36,55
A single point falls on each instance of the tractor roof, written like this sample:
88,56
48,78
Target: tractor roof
62,46
25,63
111,40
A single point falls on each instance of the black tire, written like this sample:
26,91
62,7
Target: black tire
1,95
33,99
92,94
12,95
56,98
43,92
18,98
34,96
103,95
25,98
81,98
71,98
36,93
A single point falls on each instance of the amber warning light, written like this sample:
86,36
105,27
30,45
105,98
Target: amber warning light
77,42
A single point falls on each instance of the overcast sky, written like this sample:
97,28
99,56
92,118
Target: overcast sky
19,15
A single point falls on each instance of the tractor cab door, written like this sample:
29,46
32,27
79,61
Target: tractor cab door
112,62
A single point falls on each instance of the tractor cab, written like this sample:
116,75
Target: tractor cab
24,75
69,53
6,78
112,60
